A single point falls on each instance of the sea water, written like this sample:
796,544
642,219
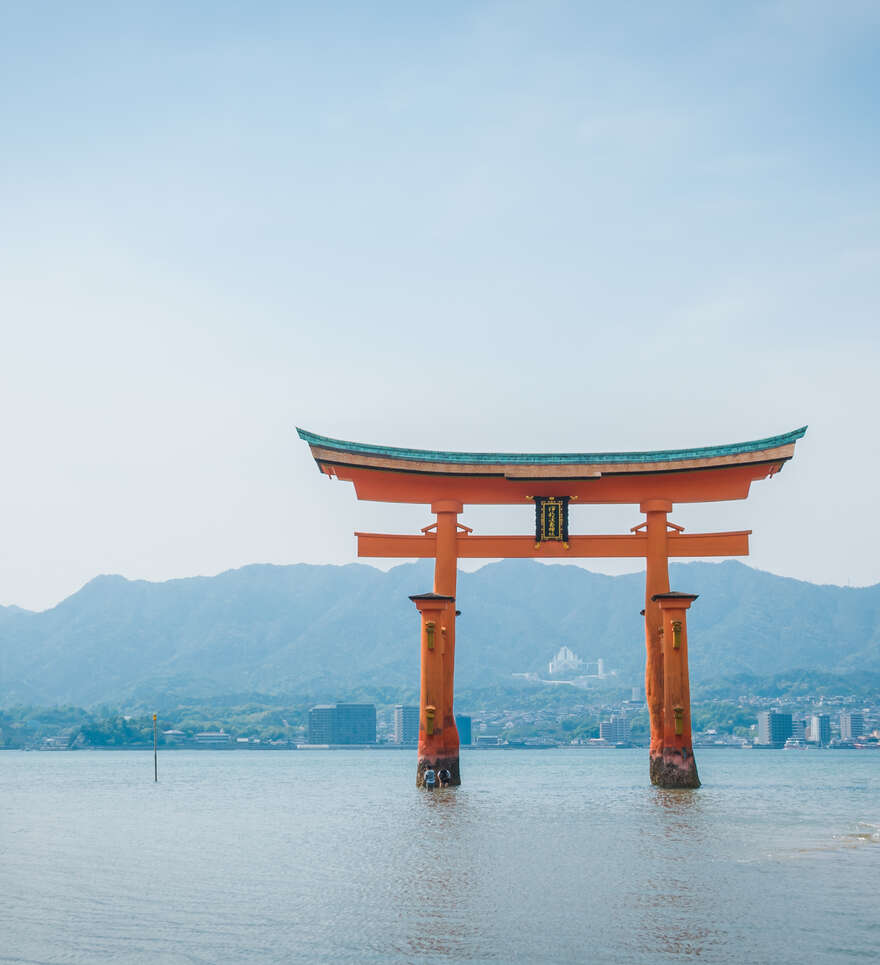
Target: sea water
565,855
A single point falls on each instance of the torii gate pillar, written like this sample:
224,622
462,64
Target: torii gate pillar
656,581
675,767
438,734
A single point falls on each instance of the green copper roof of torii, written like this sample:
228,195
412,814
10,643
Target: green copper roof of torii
550,458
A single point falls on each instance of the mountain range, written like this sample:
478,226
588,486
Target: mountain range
315,630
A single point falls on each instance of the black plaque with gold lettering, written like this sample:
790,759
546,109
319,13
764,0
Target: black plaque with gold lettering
551,519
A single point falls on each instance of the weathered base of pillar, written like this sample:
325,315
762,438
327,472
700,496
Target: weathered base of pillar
674,768
438,764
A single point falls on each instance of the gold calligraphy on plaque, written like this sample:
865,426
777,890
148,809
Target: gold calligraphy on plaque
551,519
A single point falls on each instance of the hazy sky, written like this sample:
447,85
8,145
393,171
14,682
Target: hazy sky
521,226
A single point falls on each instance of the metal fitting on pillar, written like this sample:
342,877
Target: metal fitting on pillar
679,715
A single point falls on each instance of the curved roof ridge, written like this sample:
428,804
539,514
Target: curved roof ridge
574,458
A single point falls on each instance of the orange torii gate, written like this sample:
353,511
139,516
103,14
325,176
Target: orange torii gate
655,481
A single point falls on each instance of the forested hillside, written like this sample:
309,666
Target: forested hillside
312,629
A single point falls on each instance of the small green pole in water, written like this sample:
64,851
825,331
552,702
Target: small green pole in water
155,752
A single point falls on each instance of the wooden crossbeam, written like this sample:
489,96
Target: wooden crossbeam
630,546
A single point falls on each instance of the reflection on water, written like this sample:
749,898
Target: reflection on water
673,911
677,801
434,890
564,856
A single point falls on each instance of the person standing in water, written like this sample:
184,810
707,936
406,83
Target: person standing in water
430,779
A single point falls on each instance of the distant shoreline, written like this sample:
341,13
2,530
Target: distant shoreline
389,747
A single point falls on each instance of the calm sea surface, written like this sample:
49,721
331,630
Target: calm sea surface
541,856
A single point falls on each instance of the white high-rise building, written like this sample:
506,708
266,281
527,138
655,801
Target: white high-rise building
852,725
820,729
406,724
774,728
615,730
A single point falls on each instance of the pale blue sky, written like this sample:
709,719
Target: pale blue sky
613,226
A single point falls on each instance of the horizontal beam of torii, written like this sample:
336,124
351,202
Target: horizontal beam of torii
628,546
